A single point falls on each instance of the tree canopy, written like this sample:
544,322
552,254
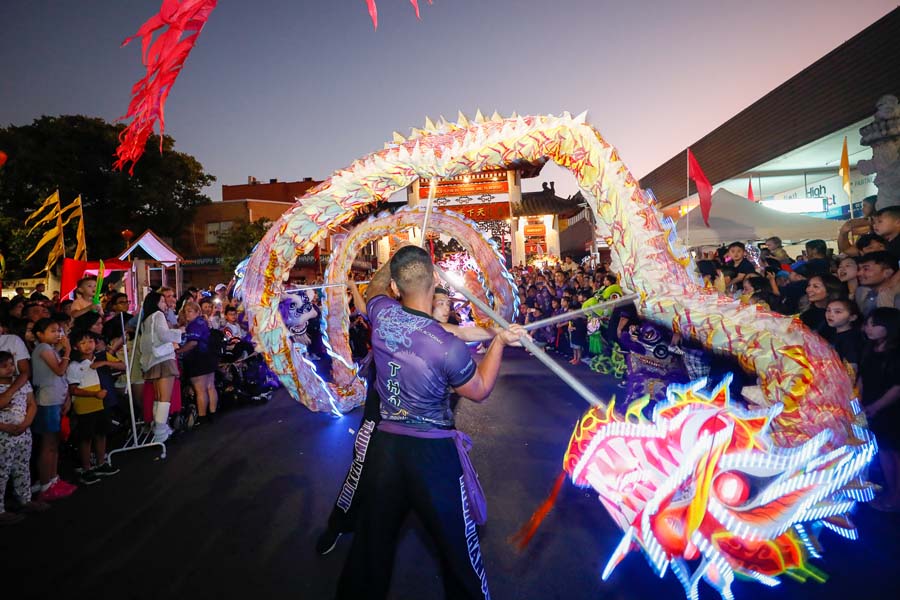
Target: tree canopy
236,243
74,154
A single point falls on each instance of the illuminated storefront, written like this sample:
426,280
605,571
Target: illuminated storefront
787,145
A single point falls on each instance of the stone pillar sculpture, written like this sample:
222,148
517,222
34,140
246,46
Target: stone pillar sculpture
883,135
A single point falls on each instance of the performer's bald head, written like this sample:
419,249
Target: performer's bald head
412,270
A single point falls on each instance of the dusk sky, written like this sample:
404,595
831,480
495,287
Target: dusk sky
292,88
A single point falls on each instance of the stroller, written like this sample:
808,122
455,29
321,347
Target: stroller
242,376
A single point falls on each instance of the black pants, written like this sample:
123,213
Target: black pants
343,515
406,474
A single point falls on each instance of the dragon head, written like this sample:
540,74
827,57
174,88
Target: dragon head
703,481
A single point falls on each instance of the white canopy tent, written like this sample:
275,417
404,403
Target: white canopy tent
735,218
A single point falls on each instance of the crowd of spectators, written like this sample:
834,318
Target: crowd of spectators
63,358
62,389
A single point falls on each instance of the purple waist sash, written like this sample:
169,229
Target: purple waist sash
474,493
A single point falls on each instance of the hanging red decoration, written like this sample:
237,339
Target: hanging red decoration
3,158
373,10
163,57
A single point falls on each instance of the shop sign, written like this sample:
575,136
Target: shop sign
535,230
203,261
309,260
29,283
475,188
836,204
483,212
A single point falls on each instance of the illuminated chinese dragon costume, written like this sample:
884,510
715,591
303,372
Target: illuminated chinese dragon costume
744,491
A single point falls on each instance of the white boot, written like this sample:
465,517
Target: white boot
161,431
148,425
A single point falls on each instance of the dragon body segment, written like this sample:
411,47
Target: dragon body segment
348,390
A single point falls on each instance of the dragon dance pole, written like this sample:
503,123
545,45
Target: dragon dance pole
538,353
580,311
321,286
432,192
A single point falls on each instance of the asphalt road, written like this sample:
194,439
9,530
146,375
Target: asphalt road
235,508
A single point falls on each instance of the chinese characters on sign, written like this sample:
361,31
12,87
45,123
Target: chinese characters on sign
483,212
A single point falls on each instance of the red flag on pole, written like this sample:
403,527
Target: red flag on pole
750,190
704,189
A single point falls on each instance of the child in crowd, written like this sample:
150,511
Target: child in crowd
64,321
231,328
236,342
542,335
578,332
887,225
104,359
87,400
755,290
21,360
84,298
208,310
842,315
562,342
16,415
879,384
48,369
741,265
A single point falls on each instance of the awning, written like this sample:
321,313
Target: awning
73,270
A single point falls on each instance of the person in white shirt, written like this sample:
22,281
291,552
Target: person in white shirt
21,359
158,362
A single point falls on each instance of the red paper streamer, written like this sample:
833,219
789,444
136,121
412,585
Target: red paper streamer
373,10
164,57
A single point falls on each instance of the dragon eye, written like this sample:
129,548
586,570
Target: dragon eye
732,488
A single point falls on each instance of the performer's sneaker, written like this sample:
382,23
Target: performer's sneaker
88,478
327,541
105,470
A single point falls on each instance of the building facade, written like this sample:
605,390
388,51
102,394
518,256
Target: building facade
243,203
787,146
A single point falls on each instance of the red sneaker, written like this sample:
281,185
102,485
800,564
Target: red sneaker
69,487
59,490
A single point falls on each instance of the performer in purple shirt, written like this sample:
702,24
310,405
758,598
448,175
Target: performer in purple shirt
418,461
343,515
